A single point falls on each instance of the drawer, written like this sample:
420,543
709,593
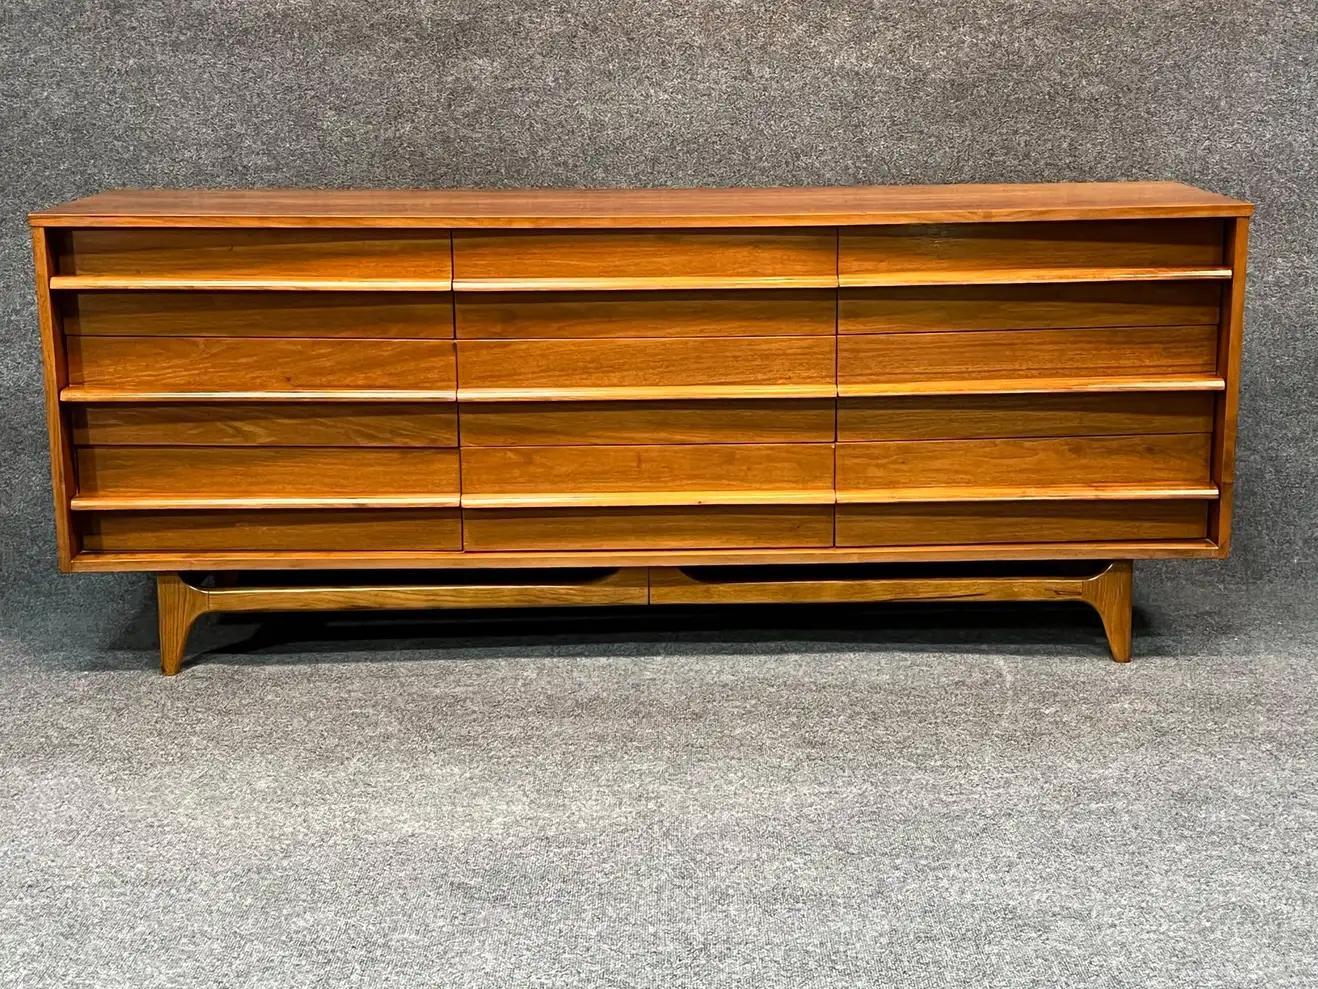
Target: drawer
252,364
931,308
385,315
519,259
976,252
254,253
621,475
631,423
972,523
1025,354
649,528
650,368
540,315
1174,460
337,424
355,530
945,417
265,473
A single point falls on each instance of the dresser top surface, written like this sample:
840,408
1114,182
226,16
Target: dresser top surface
616,208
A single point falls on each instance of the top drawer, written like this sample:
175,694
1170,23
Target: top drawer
502,260
1028,252
184,255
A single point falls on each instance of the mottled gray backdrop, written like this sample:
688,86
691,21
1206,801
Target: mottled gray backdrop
101,93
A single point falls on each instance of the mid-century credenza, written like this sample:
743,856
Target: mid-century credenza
626,397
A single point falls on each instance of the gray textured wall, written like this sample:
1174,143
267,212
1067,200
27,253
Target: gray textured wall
106,93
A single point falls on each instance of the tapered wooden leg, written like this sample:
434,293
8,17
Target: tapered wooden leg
179,604
1110,595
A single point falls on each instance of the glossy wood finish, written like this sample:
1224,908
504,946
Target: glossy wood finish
504,260
252,530
329,424
253,365
240,254
1172,459
369,315
546,369
1003,354
656,208
1030,252
684,474
986,522
927,309
951,417
636,423
154,475
649,527
705,313
640,379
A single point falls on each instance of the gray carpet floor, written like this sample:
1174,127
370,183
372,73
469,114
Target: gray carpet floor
822,797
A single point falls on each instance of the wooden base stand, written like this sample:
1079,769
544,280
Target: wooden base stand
1106,587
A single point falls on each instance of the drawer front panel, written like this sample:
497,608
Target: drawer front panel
945,250
1019,522
631,423
232,253
1181,459
926,309
642,528
555,255
265,424
249,364
939,417
265,472
693,468
576,365
1025,354
540,315
384,315
352,530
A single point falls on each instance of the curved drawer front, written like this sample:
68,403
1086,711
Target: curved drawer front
258,364
349,530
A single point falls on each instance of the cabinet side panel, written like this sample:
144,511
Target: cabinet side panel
55,377
1230,340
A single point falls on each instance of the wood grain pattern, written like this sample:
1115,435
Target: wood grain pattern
631,423
379,315
578,315
55,375
1136,351
265,424
346,530
164,253
220,472
994,252
520,260
946,417
543,475
1019,522
1172,459
253,365
648,528
1147,549
550,368
605,208
927,309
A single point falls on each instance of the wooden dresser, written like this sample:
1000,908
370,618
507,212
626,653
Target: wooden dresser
629,397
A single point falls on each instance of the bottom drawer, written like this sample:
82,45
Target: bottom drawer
683,527
1019,522
355,530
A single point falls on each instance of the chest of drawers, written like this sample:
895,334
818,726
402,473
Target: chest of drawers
641,396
